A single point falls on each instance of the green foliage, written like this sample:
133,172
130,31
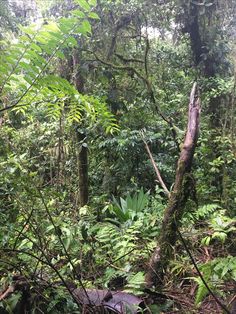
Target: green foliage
214,272
7,19
206,211
217,86
136,283
129,208
124,245
25,63
59,301
10,304
180,266
220,226
136,69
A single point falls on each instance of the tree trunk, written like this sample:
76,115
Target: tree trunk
201,38
83,168
178,197
81,136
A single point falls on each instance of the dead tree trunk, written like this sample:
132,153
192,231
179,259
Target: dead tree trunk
178,197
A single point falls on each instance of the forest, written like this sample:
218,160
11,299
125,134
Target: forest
117,156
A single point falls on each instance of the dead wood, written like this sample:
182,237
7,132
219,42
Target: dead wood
178,197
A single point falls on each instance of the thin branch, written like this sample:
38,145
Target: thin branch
23,227
7,292
12,265
10,107
121,67
119,258
147,48
127,60
30,102
159,178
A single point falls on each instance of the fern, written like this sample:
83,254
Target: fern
202,213
220,226
206,210
214,272
202,290
225,267
35,50
135,283
112,274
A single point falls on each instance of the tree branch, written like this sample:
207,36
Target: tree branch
159,178
127,60
145,79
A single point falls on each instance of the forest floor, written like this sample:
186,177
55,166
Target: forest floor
184,301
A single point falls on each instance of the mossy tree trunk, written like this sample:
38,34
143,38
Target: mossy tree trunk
178,197
205,39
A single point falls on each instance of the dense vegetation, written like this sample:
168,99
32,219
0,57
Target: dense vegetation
109,179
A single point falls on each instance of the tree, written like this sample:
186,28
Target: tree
183,187
206,26
7,18
52,38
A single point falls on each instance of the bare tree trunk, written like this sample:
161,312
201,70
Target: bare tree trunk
178,197
81,136
83,168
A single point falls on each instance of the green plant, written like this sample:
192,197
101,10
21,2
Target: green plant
180,267
135,283
215,272
220,226
129,208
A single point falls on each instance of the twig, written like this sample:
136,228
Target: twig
146,50
127,60
12,265
119,258
7,292
18,61
30,102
